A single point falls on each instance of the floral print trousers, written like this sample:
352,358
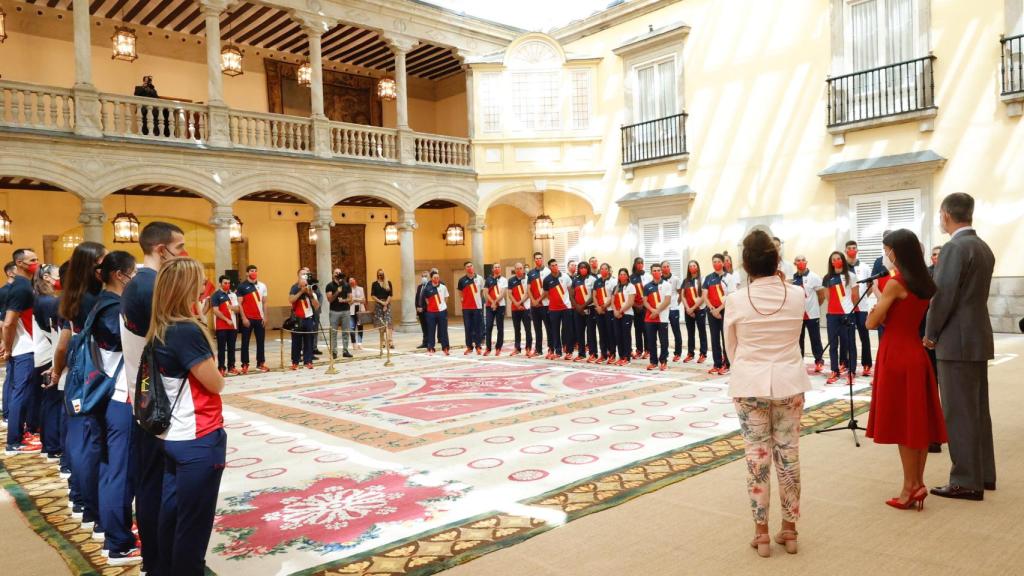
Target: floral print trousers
771,431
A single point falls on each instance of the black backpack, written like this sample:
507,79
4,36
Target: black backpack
152,407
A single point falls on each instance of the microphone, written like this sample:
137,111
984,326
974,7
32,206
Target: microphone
871,279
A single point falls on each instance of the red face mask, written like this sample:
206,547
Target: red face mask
604,274
801,266
718,266
851,253
33,268
693,269
57,286
656,275
183,254
252,276
225,286
583,272
623,278
497,273
470,271
837,263
639,267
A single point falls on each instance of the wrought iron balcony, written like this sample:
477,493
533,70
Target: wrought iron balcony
654,139
1012,64
883,92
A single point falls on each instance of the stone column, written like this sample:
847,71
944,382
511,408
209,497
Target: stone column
87,102
406,226
314,26
322,222
470,104
400,46
476,229
221,221
92,218
219,128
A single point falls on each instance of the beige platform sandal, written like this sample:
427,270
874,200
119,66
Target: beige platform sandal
787,538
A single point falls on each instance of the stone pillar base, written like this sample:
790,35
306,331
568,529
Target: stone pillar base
408,327
322,137
219,128
406,146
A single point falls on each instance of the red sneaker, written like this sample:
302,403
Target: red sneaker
713,370
568,357
593,360
652,366
636,355
645,355
516,353
309,366
245,368
832,379
689,358
263,368
467,352
233,372
478,350
842,368
497,352
723,371
702,358
663,366
295,366
676,358
446,352
579,358
487,352
222,371
866,372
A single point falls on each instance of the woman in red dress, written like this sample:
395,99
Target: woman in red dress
905,408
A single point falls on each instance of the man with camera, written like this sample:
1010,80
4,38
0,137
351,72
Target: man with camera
305,304
339,295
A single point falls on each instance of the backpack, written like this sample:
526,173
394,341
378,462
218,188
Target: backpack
87,387
152,407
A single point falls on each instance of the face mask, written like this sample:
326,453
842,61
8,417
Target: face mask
886,261
423,280
225,286
623,278
801,266
837,263
604,274
851,253
584,272
935,260
33,268
656,275
693,269
435,282
252,276
639,267
718,266
57,286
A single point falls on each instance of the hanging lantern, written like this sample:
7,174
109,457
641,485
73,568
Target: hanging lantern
391,234
124,44
312,234
543,228
231,60
455,235
69,241
236,229
3,25
387,89
305,74
126,225
5,227
126,228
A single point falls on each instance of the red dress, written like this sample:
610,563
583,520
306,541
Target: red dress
905,407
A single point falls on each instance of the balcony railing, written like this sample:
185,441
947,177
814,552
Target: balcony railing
654,139
881,92
152,118
35,107
1012,64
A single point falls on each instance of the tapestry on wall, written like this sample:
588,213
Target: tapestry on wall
347,97
348,250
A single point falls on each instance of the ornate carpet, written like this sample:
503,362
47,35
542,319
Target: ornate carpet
411,469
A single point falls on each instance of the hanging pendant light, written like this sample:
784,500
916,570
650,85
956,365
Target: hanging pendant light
304,76
69,241
230,58
387,89
454,234
312,233
124,42
543,228
5,227
236,229
126,225
391,234
3,25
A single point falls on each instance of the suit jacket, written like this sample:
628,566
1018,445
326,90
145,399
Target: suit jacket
419,299
958,320
765,350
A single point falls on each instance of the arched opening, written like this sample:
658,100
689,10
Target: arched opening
511,234
433,250
22,199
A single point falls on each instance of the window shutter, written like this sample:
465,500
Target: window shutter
872,214
902,212
661,239
565,245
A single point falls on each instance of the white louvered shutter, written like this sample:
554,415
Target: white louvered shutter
661,239
872,214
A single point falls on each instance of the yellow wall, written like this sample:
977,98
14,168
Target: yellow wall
755,93
508,235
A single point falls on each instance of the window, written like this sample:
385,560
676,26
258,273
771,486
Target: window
565,245
580,99
662,239
655,90
535,100
490,96
872,214
881,32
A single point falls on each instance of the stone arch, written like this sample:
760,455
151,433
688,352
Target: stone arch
534,50
63,176
493,198
300,188
464,198
127,176
391,193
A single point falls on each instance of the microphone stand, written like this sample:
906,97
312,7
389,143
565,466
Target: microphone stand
851,370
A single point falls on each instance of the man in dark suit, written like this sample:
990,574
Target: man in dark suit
959,329
420,308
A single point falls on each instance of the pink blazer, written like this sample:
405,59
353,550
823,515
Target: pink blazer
764,350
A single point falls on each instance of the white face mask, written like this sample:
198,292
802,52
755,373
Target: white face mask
885,261
423,280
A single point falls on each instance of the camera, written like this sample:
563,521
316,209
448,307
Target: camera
312,282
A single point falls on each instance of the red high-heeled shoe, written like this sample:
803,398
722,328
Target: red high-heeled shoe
916,500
